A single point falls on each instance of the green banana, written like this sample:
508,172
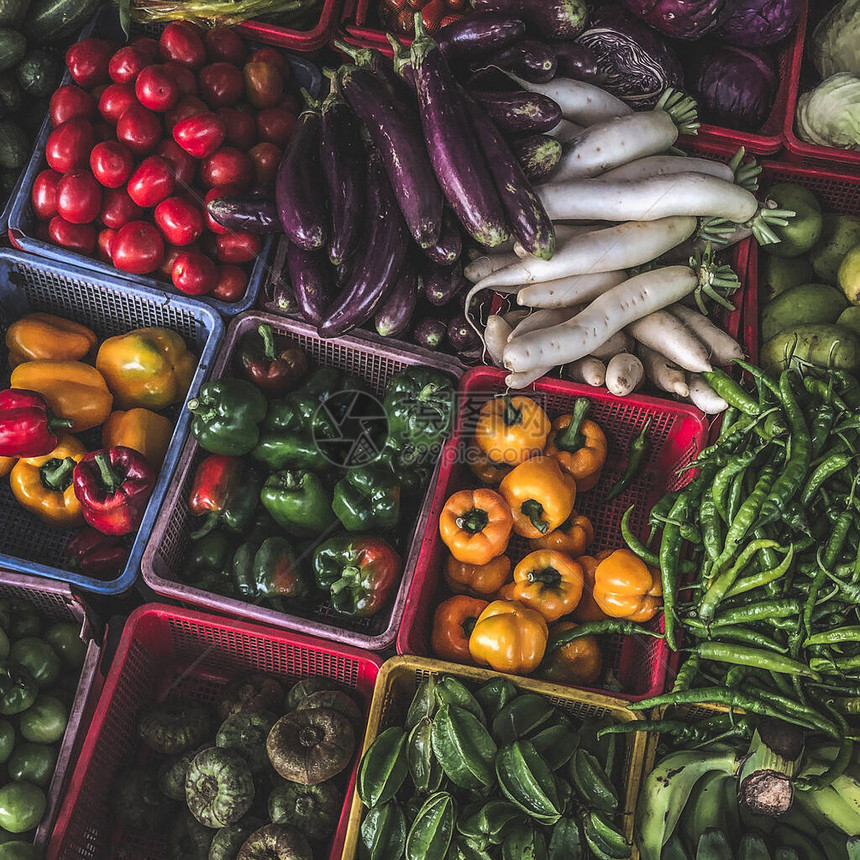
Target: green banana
848,788
799,820
753,847
604,839
826,804
592,782
705,808
713,845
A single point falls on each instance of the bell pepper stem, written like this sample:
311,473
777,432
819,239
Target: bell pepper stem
511,415
56,474
348,577
533,509
569,438
209,523
268,338
546,576
109,477
428,391
55,423
473,521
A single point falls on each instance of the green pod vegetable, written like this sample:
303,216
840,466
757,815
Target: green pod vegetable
592,782
524,843
383,833
431,831
451,691
423,703
465,849
490,823
494,695
526,780
566,841
384,767
424,768
463,747
521,717
556,744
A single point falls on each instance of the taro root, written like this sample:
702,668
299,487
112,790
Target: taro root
219,788
311,746
171,728
189,839
137,801
246,733
276,842
254,692
337,701
314,809
307,687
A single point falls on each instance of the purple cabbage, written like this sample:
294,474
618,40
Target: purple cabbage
682,19
759,23
734,87
633,61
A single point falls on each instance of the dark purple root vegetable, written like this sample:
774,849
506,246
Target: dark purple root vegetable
575,61
760,23
681,19
549,19
461,335
443,283
311,280
519,112
534,61
430,333
479,34
251,216
395,312
538,154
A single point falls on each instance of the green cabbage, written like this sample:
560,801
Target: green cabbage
830,114
836,40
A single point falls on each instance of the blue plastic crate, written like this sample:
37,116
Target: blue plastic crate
110,306
21,224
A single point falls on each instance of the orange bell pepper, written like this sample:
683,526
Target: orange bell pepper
145,431
475,525
483,468
506,592
509,637
587,608
578,662
572,537
6,464
453,623
578,445
511,429
45,336
625,587
479,580
540,496
548,581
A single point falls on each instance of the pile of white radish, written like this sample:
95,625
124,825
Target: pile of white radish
615,304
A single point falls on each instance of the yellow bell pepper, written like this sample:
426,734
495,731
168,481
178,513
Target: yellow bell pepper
511,429
578,662
579,446
587,608
475,525
141,429
478,580
45,336
73,390
148,367
509,637
540,496
572,537
43,485
6,464
625,587
549,582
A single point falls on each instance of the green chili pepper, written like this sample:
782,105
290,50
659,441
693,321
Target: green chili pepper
762,611
744,635
741,655
833,637
736,491
723,479
687,673
732,393
764,577
830,466
636,455
614,626
658,514
743,521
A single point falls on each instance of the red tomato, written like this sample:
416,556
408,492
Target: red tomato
184,166
137,248
291,103
183,76
179,220
127,63
150,46
105,238
275,57
264,84
185,107
238,247
221,85
44,194
275,125
241,128
156,89
217,193
87,62
115,101
194,273
232,281
69,145
227,166
171,252
222,43
266,158
111,163
118,208
79,197
200,135
71,102
152,181
139,129
75,237
181,41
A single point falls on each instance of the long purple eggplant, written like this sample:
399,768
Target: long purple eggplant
456,157
250,216
442,283
449,246
401,60
381,66
519,112
403,152
477,35
538,155
549,19
383,249
395,311
342,158
525,213
301,206
534,61
311,278
576,61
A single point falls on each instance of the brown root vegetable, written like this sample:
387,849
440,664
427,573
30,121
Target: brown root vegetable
307,687
254,692
337,701
172,728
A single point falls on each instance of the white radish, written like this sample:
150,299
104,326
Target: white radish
522,380
666,334
590,370
543,319
515,317
662,373
620,247
695,194
606,315
619,342
582,103
703,397
565,131
496,334
666,165
484,266
623,374
722,347
563,232
570,290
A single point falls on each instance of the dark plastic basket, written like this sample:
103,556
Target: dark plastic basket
109,306
171,534
22,223
677,433
171,653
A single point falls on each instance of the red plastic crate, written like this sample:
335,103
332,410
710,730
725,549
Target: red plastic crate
677,433
301,41
171,653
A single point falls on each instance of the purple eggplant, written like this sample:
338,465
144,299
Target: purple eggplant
449,246
311,279
401,60
538,155
376,62
519,112
461,335
534,61
442,283
395,312
575,61
251,216
403,152
478,35
342,157
549,19
301,206
456,157
523,209
383,246
430,333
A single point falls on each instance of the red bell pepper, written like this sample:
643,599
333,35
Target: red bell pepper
226,490
28,428
95,554
113,486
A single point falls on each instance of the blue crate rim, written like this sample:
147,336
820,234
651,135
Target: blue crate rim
214,326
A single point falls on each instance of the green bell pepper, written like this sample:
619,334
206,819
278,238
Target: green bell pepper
325,381
208,562
276,570
367,498
419,405
412,467
227,413
18,690
298,502
293,434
